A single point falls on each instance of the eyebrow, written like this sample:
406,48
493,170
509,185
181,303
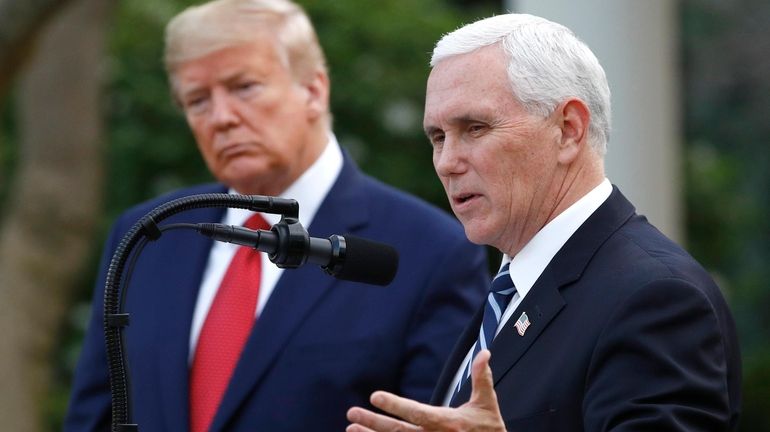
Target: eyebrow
462,119
430,130
227,79
234,76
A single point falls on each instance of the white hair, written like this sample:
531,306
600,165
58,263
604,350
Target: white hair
547,64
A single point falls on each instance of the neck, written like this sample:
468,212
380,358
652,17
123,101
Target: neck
575,185
577,180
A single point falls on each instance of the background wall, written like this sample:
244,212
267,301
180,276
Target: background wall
637,44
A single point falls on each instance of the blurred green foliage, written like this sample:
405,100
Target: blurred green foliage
727,107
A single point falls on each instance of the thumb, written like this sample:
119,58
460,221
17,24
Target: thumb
483,388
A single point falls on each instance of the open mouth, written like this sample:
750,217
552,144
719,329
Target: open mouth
464,198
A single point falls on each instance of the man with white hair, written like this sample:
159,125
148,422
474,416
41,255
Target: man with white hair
220,338
596,321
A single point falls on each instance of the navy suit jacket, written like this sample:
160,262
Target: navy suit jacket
628,333
320,345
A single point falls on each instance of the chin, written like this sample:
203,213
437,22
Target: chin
243,176
474,234
241,185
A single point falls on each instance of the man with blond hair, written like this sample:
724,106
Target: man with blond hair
221,339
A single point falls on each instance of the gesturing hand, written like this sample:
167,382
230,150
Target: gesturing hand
480,414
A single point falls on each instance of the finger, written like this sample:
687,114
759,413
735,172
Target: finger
416,413
370,421
483,386
358,428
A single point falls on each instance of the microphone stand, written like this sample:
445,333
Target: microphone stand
147,228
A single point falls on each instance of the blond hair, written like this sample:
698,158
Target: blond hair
218,24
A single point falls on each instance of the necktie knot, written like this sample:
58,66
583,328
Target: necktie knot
502,283
256,222
501,293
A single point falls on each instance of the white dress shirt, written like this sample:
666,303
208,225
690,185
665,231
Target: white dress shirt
527,266
310,189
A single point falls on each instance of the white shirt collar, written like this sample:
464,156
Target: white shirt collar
531,261
527,266
310,189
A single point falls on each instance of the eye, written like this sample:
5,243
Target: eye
195,104
246,88
437,139
476,129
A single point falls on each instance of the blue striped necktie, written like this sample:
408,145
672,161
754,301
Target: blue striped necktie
500,294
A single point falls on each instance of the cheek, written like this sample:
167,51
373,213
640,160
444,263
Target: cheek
200,132
208,157
206,149
205,145
444,180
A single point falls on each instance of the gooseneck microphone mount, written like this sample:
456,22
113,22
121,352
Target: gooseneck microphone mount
147,228
287,245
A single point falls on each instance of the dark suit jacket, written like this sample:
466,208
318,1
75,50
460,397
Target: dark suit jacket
319,346
627,333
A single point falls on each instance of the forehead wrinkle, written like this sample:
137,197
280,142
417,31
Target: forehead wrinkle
456,96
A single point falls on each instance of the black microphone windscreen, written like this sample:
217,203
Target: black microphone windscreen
368,261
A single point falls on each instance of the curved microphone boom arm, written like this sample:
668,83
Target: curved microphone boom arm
114,297
287,245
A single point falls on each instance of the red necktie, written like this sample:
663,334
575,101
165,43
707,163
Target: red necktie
224,332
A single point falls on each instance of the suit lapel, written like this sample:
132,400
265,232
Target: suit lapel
295,295
541,305
464,342
544,301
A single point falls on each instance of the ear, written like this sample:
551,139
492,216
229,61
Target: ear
317,87
573,117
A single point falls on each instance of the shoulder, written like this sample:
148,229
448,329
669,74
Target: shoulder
639,274
648,255
126,219
420,230
138,210
666,319
435,256
413,213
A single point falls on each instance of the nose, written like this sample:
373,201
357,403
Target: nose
223,113
449,159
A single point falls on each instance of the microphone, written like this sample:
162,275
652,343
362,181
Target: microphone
289,246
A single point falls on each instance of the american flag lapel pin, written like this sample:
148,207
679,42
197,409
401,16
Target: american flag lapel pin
522,323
